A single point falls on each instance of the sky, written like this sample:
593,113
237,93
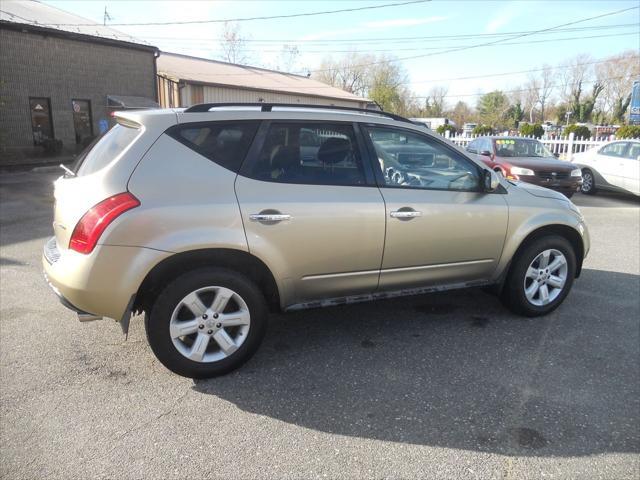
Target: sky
385,30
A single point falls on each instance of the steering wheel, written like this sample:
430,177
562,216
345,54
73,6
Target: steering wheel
456,178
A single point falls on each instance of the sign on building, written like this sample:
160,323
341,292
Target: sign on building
634,111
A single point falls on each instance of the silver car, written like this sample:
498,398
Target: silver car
206,219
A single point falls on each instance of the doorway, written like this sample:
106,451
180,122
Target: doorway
82,121
41,122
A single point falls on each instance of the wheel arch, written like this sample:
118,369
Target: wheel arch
565,231
179,263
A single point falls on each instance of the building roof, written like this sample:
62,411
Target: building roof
33,15
211,72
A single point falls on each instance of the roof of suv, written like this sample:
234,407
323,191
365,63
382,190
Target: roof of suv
246,111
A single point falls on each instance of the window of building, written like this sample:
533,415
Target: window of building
225,143
82,121
309,153
41,121
410,160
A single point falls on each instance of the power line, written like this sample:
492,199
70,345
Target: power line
469,77
426,48
245,19
520,90
450,50
397,39
413,57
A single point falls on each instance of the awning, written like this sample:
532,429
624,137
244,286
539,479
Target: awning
130,102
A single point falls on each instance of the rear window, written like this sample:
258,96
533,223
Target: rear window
105,148
225,143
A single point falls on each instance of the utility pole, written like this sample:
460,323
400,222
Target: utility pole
106,16
568,114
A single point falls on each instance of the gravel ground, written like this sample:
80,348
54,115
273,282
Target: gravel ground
445,385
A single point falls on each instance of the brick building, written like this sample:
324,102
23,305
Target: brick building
60,77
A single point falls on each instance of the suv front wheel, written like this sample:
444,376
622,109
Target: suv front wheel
540,277
207,322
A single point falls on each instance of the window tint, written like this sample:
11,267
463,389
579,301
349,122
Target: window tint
324,154
521,147
485,145
225,143
105,149
614,149
473,146
407,159
634,151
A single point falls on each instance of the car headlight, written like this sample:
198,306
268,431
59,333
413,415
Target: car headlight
576,173
521,171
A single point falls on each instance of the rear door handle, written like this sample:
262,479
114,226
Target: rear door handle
405,214
269,217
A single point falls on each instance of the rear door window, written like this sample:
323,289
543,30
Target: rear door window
308,153
225,143
634,151
105,149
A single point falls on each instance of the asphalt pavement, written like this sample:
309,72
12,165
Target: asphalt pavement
446,385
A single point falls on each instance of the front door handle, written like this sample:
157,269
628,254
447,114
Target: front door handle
269,217
405,214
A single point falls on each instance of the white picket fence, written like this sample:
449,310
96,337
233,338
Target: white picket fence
565,147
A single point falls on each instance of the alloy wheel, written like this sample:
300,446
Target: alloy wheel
209,324
545,277
587,182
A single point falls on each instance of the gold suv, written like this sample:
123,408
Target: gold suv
205,219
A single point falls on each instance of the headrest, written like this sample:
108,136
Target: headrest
285,157
334,150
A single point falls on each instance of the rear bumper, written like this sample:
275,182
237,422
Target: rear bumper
102,283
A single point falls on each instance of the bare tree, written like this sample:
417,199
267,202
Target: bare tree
461,114
379,78
573,74
531,96
435,103
233,44
545,89
288,58
350,73
616,75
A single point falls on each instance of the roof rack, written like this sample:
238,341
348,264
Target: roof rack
267,107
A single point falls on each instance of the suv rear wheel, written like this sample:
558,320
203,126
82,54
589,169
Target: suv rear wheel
540,277
207,322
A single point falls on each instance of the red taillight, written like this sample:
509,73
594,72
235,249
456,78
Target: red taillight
93,223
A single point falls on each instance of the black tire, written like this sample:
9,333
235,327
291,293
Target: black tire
589,186
513,293
157,323
569,195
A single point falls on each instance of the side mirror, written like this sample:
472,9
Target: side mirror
490,180
485,153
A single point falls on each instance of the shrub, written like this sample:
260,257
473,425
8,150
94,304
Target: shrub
534,130
443,128
482,130
628,131
579,131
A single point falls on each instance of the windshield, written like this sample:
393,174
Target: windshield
521,147
104,149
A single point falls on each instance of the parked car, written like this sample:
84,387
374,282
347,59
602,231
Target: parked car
527,160
613,166
206,219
